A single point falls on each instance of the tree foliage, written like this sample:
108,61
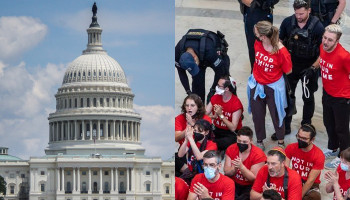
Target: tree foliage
2,185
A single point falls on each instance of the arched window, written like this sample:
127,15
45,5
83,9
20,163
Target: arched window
95,103
101,102
87,130
122,187
101,130
75,103
88,102
81,102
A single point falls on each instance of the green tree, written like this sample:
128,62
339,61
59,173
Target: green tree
2,185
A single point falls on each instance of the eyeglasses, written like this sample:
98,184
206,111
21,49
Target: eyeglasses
301,138
211,165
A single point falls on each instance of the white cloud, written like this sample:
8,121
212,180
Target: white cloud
27,99
131,23
2,67
157,130
18,34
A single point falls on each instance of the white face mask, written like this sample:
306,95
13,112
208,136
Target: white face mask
219,91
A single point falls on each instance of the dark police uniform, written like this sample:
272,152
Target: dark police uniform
303,45
260,10
208,57
324,10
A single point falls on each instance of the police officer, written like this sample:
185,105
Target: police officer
197,50
328,11
302,34
254,11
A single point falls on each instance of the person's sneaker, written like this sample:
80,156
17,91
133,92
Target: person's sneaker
333,164
261,145
274,137
329,153
281,145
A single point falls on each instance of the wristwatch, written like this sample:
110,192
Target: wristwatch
221,116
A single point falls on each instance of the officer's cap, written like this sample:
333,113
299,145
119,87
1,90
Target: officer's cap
187,63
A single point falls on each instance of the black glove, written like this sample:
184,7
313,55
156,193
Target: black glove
309,72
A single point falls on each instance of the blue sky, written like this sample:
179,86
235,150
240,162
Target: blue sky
38,39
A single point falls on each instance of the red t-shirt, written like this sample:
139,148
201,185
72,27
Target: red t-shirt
294,183
210,146
222,189
181,123
343,183
335,71
268,68
228,108
181,189
304,162
256,156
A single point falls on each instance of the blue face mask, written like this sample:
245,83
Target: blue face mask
344,167
209,172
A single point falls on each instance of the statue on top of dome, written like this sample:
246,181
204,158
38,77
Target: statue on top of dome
94,9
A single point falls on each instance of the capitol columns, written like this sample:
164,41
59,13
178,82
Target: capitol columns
101,183
74,181
78,185
89,189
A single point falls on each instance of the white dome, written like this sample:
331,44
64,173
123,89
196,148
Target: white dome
97,67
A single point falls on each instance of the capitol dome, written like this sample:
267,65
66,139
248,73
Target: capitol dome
94,106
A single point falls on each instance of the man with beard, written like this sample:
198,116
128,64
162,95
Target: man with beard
275,175
243,160
302,34
308,160
211,184
334,62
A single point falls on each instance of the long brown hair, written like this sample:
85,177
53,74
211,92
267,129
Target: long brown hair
265,28
198,101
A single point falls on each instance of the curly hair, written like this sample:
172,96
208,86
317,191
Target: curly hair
198,101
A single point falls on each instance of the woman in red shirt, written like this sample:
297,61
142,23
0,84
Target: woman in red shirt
192,109
266,85
339,181
197,143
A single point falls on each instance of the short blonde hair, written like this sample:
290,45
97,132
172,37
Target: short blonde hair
336,29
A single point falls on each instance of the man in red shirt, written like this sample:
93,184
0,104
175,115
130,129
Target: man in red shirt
275,175
308,160
334,62
243,160
212,185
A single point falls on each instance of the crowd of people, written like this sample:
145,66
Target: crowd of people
217,157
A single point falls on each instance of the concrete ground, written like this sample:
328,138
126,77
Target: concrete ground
224,15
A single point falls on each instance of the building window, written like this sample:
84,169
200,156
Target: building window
42,173
101,101
106,187
70,103
81,102
83,186
69,187
166,175
121,173
68,173
83,173
12,189
88,102
94,173
75,103
23,175
107,102
148,187
167,190
148,173
95,104
12,175
42,187
106,173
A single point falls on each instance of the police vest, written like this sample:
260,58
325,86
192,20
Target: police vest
319,8
201,35
300,42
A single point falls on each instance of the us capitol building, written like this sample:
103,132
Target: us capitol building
94,150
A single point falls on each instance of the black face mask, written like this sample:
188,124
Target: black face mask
198,136
302,144
242,147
